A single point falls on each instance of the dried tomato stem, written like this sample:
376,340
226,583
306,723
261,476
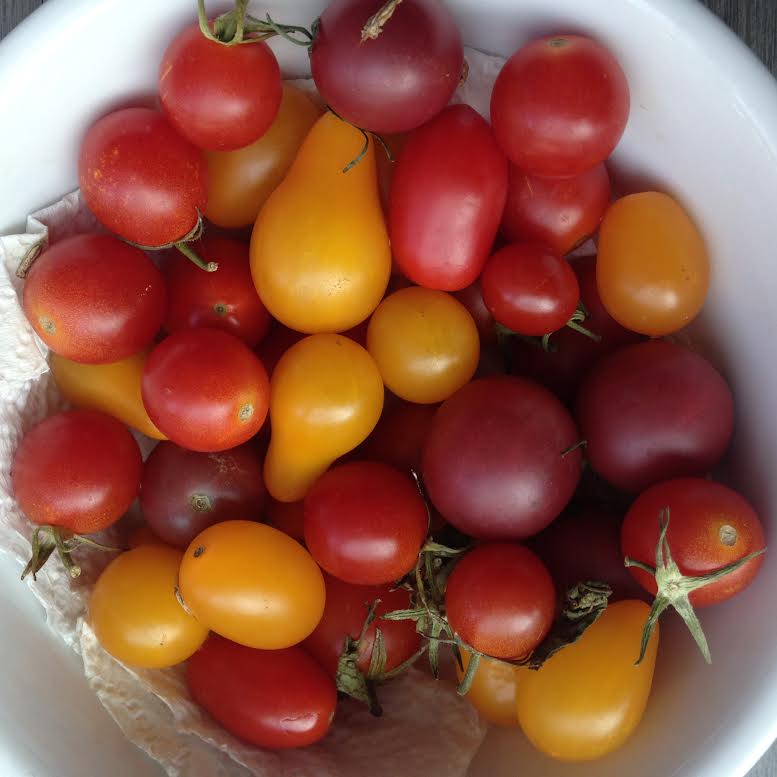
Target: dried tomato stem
374,26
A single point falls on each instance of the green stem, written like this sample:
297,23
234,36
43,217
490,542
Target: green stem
469,674
572,324
192,256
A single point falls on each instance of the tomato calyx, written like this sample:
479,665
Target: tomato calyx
674,588
47,539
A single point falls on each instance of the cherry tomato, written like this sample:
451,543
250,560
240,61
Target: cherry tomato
94,299
252,584
560,105
710,527
392,82
653,270
365,522
219,97
560,213
183,492
587,699
79,470
496,463
492,692
239,182
225,299
425,344
140,178
654,411
135,614
142,535
205,390
447,199
472,299
289,517
270,698
344,615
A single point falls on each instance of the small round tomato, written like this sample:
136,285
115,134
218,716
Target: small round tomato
425,344
252,584
289,517
365,522
219,97
270,698
205,390
587,699
79,470
493,689
141,179
135,614
653,270
183,492
500,599
530,289
225,299
560,105
94,299
400,436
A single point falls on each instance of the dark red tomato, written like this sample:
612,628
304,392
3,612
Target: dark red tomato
447,199
140,178
500,600
710,527
94,299
289,517
365,523
472,299
225,299
560,212
400,436
183,492
219,97
205,390
495,464
270,698
396,81
275,344
530,289
654,411
79,470
344,614
560,105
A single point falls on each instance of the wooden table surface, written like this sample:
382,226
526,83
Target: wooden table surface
754,20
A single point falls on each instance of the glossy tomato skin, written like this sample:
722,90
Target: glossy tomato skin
270,698
447,199
492,692
529,288
400,436
344,615
397,81
183,492
218,97
710,526
493,463
205,390
654,411
500,599
225,299
560,105
140,178
94,299
365,522
560,213
79,470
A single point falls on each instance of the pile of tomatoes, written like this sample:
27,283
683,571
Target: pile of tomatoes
402,419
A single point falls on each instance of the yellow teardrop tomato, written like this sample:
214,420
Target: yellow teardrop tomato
652,269
111,388
586,701
252,584
493,692
425,344
326,396
135,613
320,255
239,182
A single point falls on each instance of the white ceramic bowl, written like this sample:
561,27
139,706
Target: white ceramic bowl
703,126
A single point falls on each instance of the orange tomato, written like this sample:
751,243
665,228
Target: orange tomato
493,689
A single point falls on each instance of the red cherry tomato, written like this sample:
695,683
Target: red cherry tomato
270,698
500,600
446,200
140,178
94,299
289,517
205,390
219,97
560,105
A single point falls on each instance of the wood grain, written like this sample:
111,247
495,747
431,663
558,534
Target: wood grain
755,21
